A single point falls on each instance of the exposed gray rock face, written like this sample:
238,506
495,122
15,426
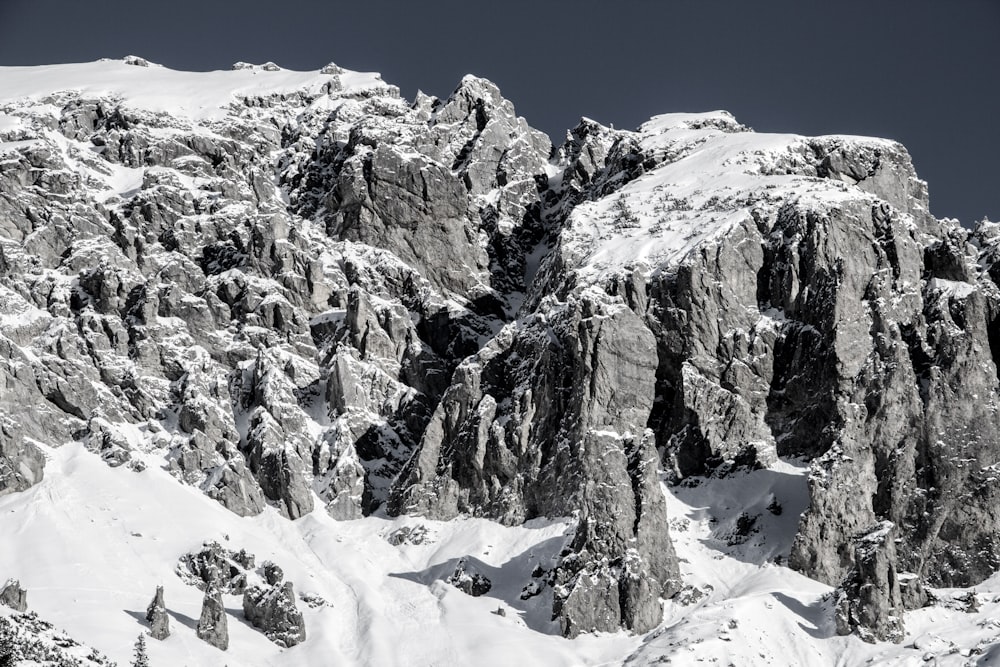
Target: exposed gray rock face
549,420
335,297
204,307
469,581
843,324
277,439
869,601
106,441
13,596
420,190
273,610
21,463
156,614
209,308
913,396
209,440
272,573
215,567
213,627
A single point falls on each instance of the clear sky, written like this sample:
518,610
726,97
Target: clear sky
924,72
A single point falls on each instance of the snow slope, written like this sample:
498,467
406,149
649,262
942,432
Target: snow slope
91,542
711,174
103,538
754,611
200,96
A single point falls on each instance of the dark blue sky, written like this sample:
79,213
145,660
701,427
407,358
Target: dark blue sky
924,72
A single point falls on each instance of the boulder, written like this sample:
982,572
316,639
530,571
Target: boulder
13,596
272,610
272,573
216,567
467,580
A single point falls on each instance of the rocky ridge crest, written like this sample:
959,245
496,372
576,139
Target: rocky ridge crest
323,295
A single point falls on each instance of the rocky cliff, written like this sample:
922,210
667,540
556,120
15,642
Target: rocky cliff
301,291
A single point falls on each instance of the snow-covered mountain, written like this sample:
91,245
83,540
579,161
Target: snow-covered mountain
342,378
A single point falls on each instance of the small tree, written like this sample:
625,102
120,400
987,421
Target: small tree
6,652
8,649
625,217
141,659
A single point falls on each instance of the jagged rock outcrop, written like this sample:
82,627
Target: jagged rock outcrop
909,423
424,190
271,572
869,601
319,293
468,580
213,626
22,463
830,319
156,615
272,609
215,567
420,190
202,302
549,420
13,596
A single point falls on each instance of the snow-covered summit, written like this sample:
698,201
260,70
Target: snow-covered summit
706,173
147,86
683,393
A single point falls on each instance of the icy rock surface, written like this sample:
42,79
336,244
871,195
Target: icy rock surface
296,291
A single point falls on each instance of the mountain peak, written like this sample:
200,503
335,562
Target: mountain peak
199,96
283,347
